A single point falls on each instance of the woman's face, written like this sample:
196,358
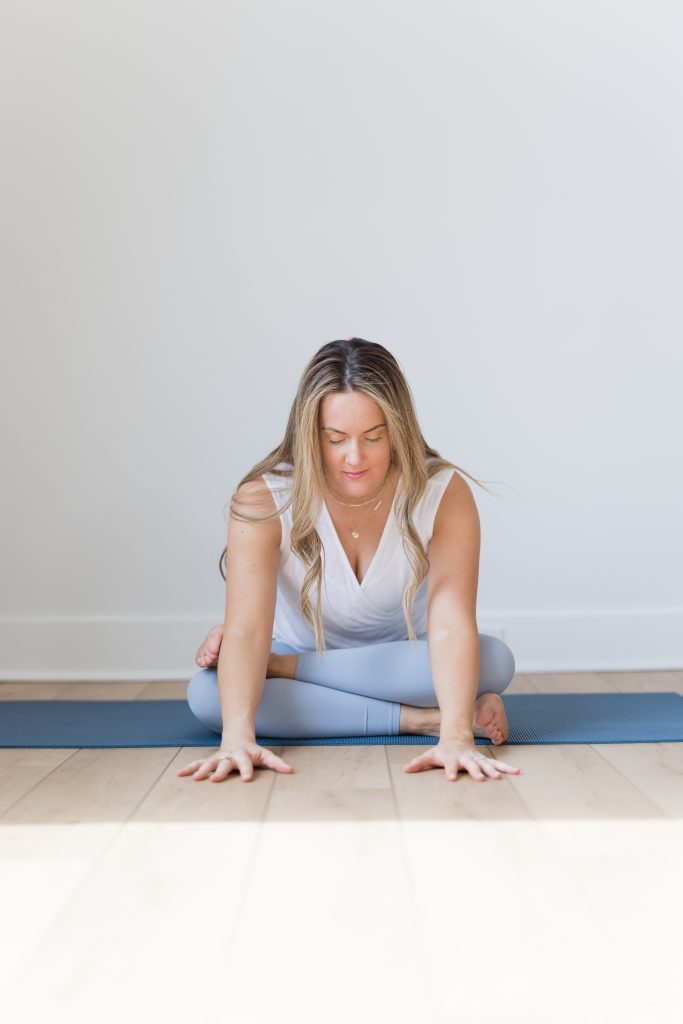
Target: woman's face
354,438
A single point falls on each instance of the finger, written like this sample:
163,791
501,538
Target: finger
487,766
417,764
472,766
221,773
271,760
188,767
504,766
206,768
225,767
245,767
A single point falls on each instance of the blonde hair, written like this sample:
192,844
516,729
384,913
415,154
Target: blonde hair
343,366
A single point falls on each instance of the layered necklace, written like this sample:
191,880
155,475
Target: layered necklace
359,504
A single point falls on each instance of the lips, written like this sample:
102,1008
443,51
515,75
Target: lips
355,476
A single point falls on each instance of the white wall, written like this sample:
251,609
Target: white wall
196,196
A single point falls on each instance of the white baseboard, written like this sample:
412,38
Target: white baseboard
590,641
101,648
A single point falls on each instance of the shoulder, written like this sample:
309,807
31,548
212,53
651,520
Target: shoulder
253,499
267,492
457,507
255,494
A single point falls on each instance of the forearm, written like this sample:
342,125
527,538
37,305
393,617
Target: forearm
242,665
454,659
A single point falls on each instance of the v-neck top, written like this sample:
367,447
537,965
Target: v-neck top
354,613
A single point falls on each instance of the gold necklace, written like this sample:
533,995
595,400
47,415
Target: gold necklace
354,529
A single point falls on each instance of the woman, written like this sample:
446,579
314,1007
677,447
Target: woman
352,531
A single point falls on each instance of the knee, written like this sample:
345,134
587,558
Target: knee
500,659
201,696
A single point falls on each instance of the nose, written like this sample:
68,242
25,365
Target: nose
353,458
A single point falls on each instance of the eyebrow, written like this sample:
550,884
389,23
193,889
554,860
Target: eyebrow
335,431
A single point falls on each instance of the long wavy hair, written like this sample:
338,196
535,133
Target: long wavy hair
353,365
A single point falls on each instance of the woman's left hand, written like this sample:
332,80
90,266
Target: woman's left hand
455,754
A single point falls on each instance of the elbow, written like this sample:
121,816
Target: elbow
247,633
461,626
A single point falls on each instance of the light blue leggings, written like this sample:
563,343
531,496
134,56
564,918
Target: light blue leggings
351,691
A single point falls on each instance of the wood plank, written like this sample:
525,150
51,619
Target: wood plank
645,682
488,883
330,893
332,769
31,691
571,781
171,690
411,882
97,690
19,775
600,824
50,757
655,769
52,836
147,923
629,872
572,682
124,690
523,682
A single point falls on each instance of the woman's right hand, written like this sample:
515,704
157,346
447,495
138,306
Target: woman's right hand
207,653
242,755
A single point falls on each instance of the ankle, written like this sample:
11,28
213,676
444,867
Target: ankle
418,720
281,666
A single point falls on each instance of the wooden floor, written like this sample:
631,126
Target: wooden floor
347,891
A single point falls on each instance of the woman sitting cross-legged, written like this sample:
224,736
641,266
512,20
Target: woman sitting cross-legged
352,565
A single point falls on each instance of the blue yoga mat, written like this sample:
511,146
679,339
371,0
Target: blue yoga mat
533,718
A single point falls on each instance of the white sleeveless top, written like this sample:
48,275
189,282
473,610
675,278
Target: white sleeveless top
354,614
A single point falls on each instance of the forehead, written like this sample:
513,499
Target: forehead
354,409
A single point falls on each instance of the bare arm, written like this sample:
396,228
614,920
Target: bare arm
251,570
452,631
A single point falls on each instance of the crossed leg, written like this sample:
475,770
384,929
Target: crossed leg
377,689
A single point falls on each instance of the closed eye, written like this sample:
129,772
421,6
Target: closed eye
372,439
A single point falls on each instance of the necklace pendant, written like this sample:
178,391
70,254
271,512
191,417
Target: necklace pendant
355,534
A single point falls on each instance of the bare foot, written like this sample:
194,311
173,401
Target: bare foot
207,655
489,719
281,665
